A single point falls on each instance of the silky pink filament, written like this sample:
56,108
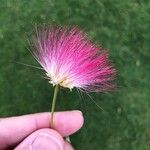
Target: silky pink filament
71,60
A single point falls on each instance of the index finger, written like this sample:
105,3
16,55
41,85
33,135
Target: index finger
15,129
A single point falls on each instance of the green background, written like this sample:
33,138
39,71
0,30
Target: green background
118,25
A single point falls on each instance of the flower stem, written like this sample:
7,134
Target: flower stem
53,106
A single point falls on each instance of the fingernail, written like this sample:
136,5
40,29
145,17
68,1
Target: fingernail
78,111
46,142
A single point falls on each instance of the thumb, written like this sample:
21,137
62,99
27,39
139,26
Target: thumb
43,139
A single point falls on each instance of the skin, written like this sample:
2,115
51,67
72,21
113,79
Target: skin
31,132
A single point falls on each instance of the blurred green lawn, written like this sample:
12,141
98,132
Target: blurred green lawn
120,26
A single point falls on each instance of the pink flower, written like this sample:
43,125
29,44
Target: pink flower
71,60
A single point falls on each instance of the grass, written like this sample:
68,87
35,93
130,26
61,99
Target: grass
120,26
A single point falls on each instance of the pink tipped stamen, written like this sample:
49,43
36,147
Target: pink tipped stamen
71,60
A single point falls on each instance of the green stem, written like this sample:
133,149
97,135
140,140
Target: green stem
53,105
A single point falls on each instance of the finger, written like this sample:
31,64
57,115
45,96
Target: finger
68,146
15,129
46,139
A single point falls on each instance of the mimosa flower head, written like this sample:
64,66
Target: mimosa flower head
71,60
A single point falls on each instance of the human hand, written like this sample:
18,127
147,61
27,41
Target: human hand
32,132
